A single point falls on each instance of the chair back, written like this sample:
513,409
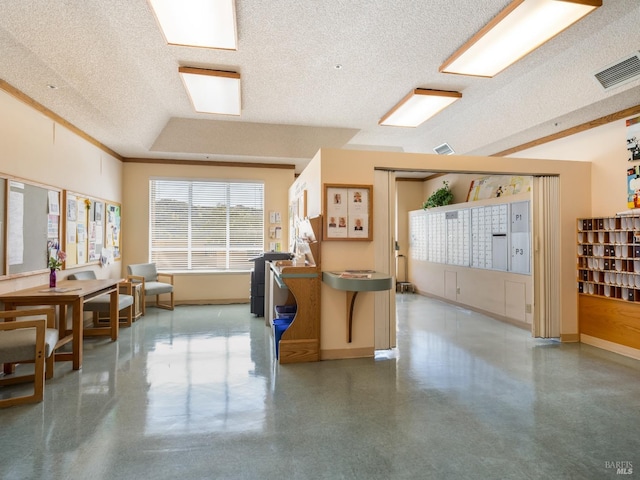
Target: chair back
146,270
84,275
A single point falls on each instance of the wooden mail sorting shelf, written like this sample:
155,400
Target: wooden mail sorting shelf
609,257
608,280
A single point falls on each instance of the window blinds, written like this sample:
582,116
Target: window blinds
205,225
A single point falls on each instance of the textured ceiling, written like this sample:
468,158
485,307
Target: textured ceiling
117,80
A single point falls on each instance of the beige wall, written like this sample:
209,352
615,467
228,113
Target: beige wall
605,148
458,182
409,196
197,287
309,180
348,166
37,149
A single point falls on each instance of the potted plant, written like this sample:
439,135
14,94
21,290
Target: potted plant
442,196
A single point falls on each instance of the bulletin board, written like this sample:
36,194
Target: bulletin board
84,229
348,212
113,215
33,225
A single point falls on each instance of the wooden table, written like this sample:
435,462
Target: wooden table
70,293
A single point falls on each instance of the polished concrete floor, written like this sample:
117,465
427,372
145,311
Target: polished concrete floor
194,394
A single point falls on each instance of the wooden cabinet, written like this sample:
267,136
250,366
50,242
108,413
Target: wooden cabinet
608,279
300,342
300,285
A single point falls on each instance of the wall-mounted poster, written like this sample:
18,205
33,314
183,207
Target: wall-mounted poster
633,187
348,212
633,139
494,186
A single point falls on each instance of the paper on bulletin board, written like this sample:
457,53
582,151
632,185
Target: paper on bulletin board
72,209
71,232
52,226
80,205
16,233
81,253
54,202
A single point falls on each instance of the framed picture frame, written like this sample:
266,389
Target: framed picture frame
348,212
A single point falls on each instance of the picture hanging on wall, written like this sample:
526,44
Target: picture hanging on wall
348,212
633,139
633,187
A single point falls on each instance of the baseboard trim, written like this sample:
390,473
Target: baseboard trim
343,353
569,337
501,318
610,346
218,301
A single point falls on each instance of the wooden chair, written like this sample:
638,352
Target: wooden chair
102,304
148,275
26,341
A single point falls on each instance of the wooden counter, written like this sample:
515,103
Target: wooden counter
301,341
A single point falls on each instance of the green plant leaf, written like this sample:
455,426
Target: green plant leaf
442,196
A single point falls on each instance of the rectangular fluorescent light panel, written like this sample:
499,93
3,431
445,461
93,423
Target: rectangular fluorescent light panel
212,91
518,30
198,23
418,106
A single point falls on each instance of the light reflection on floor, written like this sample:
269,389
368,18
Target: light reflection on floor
195,394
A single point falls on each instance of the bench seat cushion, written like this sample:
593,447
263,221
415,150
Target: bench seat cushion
19,344
157,288
102,303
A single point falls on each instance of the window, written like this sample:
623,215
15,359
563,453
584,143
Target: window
202,225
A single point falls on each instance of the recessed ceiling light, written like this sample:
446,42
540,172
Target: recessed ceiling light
197,23
338,66
212,91
418,106
519,29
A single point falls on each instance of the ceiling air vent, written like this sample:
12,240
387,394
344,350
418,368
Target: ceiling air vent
444,149
621,72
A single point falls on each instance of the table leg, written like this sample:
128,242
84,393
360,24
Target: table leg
351,298
78,311
114,315
62,321
9,368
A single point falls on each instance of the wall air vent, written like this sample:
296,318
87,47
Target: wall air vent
444,149
619,73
